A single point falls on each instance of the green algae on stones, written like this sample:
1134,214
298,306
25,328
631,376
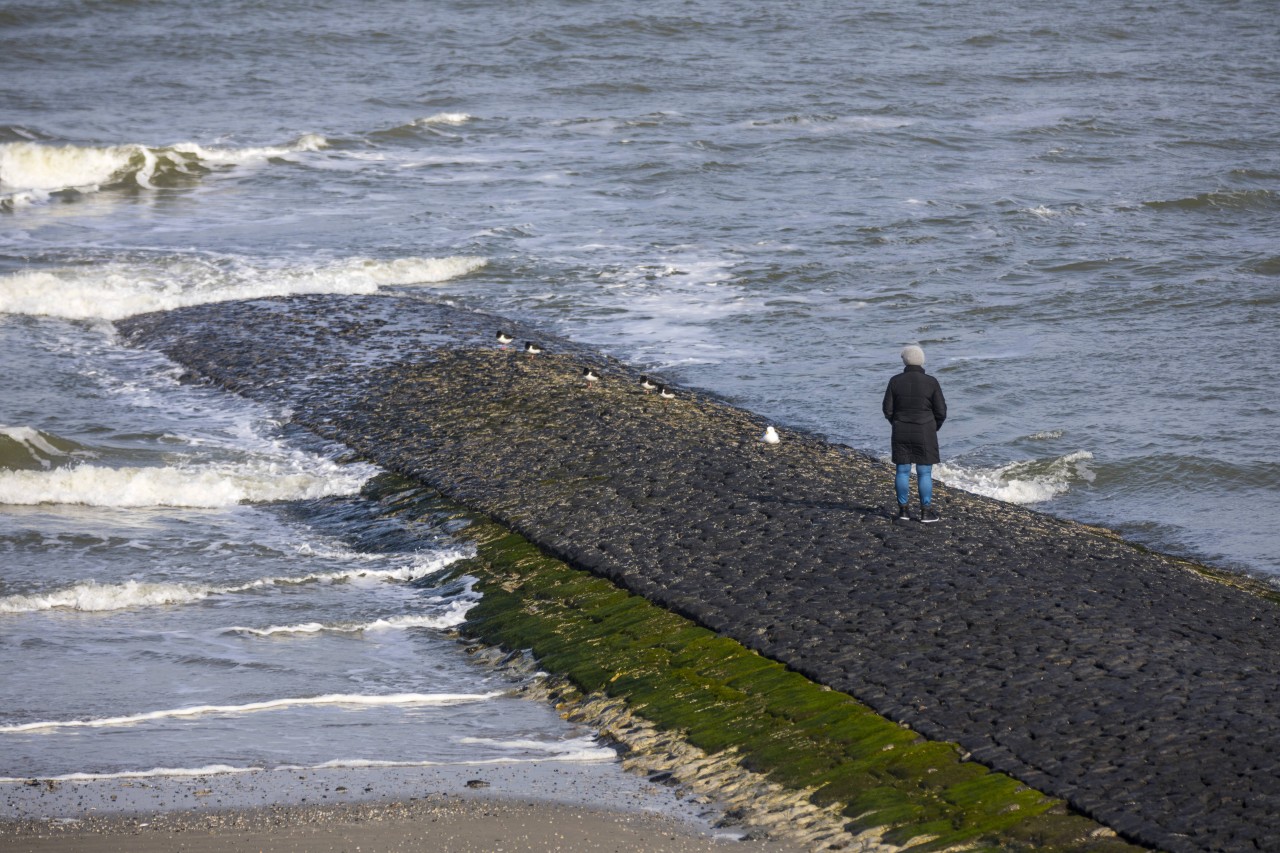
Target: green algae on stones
892,786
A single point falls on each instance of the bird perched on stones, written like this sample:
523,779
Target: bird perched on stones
504,338
532,348
666,393
590,376
647,384
770,436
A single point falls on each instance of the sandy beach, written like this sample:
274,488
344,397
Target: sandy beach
438,822
495,807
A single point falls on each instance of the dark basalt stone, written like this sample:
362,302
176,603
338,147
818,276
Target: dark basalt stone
1130,683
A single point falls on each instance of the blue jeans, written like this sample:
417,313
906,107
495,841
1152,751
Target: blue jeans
924,482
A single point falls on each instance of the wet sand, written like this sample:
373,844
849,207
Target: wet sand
437,823
489,807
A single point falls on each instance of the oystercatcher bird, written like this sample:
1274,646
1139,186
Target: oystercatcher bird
504,338
666,393
647,384
590,376
531,348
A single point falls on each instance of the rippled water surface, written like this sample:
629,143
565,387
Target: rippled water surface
1073,208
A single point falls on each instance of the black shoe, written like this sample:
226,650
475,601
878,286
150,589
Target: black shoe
928,514
902,515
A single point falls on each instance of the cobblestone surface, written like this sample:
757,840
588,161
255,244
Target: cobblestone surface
1145,694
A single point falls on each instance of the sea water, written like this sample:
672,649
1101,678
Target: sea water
1073,208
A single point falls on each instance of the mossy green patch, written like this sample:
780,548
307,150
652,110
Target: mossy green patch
719,695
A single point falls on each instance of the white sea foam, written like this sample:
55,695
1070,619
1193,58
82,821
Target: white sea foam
359,700
90,596
112,291
1021,482
455,614
93,597
592,753
444,118
156,772
574,746
30,171
595,753
198,486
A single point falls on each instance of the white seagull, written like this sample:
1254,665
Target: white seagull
770,436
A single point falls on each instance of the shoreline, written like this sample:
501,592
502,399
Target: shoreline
537,804
436,821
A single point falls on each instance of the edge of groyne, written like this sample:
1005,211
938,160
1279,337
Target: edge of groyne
788,758
1053,652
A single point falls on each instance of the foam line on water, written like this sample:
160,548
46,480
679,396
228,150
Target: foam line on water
90,596
599,753
591,754
455,614
359,700
155,772
573,746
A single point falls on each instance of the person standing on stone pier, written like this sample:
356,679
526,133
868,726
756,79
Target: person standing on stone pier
914,404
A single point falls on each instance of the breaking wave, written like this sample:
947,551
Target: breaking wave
30,172
112,291
454,615
1020,482
28,449
89,596
201,487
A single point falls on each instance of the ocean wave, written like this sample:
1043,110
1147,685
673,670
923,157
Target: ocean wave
155,772
596,753
444,118
1025,482
360,700
90,596
592,753
114,291
1045,212
573,746
1221,200
31,172
26,449
455,614
205,487
831,123
1265,266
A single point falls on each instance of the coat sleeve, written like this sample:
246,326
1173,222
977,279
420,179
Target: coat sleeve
887,405
939,406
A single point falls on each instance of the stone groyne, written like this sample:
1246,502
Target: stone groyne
1140,689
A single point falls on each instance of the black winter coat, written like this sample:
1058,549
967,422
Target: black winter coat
914,404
